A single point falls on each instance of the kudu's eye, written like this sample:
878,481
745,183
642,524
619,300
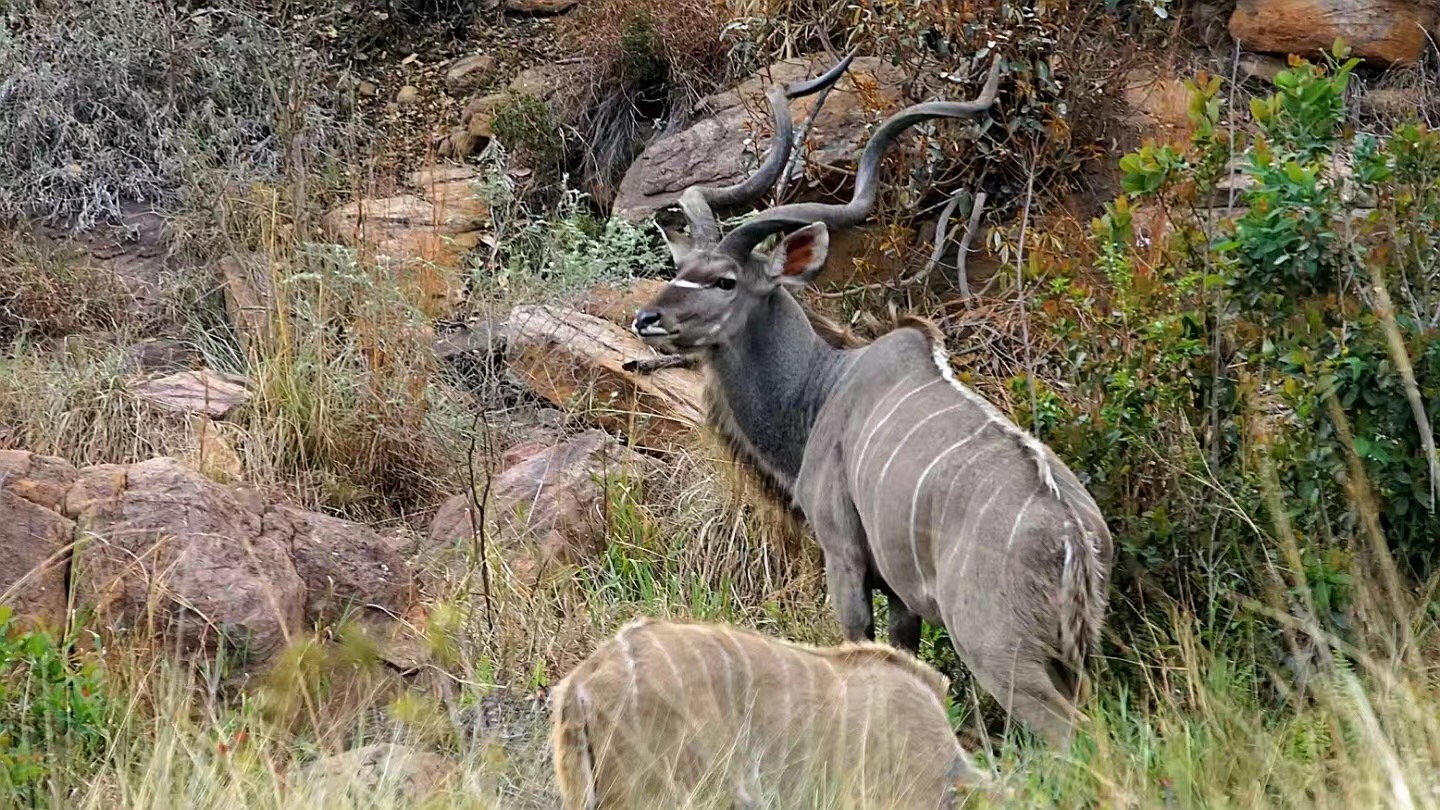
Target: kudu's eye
725,283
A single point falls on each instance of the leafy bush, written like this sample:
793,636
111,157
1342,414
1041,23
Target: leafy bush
104,103
1247,376
53,711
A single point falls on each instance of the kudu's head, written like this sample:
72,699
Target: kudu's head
719,282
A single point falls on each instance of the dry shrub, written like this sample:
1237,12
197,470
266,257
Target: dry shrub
104,103
652,60
48,293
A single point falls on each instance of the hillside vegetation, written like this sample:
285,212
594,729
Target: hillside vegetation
1218,300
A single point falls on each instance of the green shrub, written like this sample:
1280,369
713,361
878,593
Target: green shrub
1253,358
53,712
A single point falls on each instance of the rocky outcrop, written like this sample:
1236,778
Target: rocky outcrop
469,73
577,362
548,501
423,236
1159,107
203,392
1386,31
34,536
164,550
160,548
540,6
249,298
344,565
714,148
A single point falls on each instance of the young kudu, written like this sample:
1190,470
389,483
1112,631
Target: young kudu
684,714
912,483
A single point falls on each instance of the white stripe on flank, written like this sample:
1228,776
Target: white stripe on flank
920,485
970,524
687,284
1019,516
942,362
865,445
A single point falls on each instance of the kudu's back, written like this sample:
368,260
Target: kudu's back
700,715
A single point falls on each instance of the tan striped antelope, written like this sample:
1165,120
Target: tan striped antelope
678,714
912,483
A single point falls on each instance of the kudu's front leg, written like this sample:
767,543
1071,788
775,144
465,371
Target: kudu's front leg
842,538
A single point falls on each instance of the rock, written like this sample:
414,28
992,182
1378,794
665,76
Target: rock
1385,31
133,251
343,564
575,361
1261,67
552,498
857,256
409,94
423,242
202,391
549,82
469,73
155,355
713,149
34,536
540,6
214,457
619,304
1159,105
476,339
454,192
249,298
407,776
1392,103
162,543
367,89
479,115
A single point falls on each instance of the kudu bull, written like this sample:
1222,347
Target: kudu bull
682,714
913,483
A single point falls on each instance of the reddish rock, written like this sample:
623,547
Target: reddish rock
1386,31
577,362
34,536
161,543
713,150
343,564
550,499
618,305
203,392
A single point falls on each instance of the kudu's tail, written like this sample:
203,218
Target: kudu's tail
1082,598
570,741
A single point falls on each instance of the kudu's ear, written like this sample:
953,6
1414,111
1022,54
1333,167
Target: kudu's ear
680,244
800,257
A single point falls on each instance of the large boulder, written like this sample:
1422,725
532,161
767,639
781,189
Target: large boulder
1386,31
34,536
344,565
169,550
714,149
577,361
162,544
548,501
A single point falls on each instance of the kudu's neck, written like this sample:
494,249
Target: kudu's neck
772,379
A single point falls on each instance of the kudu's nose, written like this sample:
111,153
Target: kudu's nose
646,318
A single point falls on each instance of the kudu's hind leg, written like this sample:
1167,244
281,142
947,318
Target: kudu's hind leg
903,625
